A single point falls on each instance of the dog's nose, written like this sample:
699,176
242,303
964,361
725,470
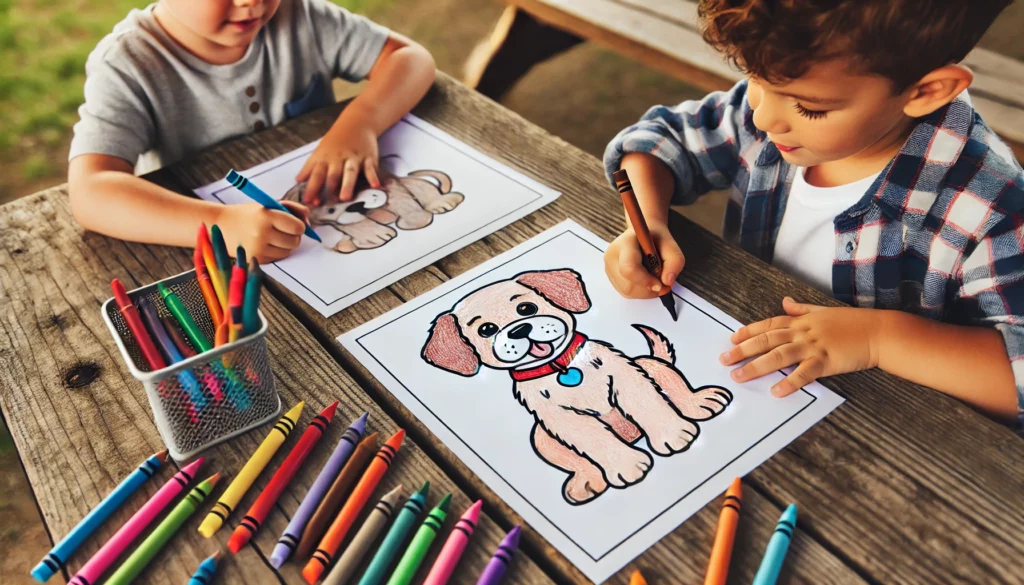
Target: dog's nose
357,207
520,331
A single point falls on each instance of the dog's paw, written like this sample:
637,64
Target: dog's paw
444,204
581,487
374,238
710,402
672,437
345,246
631,467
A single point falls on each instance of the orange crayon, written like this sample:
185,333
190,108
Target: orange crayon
261,507
335,534
637,579
721,551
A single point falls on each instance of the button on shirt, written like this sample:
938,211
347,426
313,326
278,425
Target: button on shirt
807,241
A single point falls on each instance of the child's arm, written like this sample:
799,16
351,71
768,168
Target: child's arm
969,363
107,198
672,156
401,76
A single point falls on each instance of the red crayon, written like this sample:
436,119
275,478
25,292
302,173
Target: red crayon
266,500
131,317
236,296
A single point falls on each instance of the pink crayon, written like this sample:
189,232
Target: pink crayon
454,546
135,526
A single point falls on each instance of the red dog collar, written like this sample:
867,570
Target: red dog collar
560,364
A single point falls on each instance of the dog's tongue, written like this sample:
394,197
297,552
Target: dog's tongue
540,349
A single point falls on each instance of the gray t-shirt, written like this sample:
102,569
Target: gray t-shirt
147,96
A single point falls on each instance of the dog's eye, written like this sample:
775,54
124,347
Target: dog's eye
487,329
330,210
526,309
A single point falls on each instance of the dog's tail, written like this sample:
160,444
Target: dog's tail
660,347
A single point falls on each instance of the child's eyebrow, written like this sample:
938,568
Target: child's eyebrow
812,99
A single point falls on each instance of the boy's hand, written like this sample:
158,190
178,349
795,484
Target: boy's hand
346,151
623,262
265,234
824,340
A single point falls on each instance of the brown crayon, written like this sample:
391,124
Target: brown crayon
335,497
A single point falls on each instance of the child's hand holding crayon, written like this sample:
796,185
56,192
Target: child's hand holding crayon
623,262
266,234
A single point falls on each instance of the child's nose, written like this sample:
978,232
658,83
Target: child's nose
769,115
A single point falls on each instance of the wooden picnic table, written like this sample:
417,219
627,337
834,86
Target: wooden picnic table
899,485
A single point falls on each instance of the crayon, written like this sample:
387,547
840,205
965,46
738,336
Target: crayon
651,261
163,532
206,287
171,327
454,546
494,572
220,286
236,292
251,305
637,579
330,504
261,507
250,471
721,551
177,308
364,538
222,333
250,190
331,469
94,568
196,398
134,322
204,574
775,554
334,536
417,551
220,254
395,538
57,557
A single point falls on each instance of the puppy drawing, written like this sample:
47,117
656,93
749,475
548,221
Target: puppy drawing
591,403
365,222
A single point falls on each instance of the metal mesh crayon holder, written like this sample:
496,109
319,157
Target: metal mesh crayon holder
210,397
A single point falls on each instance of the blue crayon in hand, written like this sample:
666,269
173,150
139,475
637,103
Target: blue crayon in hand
204,574
55,559
250,190
771,565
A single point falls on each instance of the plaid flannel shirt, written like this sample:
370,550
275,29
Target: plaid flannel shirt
940,233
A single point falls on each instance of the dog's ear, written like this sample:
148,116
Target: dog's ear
295,193
564,288
448,350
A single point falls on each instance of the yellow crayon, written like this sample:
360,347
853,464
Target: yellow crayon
245,478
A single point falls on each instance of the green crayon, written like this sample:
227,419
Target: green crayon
392,543
420,544
177,308
133,565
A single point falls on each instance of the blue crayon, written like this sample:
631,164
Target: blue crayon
250,190
391,547
204,574
170,351
55,559
771,565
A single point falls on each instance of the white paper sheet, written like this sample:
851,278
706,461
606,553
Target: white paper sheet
479,418
492,196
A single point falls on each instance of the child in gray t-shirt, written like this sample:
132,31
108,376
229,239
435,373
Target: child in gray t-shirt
182,75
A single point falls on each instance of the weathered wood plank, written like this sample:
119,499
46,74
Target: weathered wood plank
77,442
680,557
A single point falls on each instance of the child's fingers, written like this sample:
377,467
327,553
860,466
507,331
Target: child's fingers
782,356
298,209
746,332
757,345
808,371
315,184
348,180
306,170
370,169
631,268
796,309
333,181
672,262
280,239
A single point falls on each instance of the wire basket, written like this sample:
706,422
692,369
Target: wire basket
210,397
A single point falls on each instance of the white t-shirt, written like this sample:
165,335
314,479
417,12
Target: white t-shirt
806,244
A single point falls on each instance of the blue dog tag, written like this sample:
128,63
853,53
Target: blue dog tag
571,377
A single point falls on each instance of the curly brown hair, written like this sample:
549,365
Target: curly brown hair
903,40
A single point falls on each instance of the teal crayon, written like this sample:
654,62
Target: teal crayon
204,574
250,190
251,304
420,545
395,538
778,545
220,252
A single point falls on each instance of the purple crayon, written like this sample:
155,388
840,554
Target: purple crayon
290,539
495,569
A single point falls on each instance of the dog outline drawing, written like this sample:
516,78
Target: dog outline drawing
591,403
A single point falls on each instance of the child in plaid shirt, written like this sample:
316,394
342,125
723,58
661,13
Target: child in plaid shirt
854,160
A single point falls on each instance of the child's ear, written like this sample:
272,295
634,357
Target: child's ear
937,89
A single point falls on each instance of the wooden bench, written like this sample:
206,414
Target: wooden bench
665,35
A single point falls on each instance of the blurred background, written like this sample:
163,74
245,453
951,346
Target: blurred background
44,45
